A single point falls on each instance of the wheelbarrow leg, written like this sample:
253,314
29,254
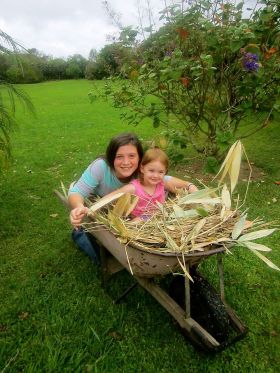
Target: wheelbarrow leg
127,291
188,325
187,294
236,323
104,267
221,276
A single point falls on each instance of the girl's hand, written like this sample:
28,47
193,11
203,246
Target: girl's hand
77,215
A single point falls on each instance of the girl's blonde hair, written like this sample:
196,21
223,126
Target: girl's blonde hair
155,154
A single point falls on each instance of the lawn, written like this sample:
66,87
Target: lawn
55,315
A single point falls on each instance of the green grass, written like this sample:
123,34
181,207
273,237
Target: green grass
55,316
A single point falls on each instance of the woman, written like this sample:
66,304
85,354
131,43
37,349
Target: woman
106,174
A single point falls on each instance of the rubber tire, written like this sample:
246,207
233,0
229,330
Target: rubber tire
207,307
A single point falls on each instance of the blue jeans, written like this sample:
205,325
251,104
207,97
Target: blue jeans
87,243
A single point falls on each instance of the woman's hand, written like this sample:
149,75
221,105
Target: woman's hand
192,188
77,215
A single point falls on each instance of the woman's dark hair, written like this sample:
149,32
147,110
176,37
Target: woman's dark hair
121,140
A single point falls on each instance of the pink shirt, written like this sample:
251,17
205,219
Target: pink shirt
147,203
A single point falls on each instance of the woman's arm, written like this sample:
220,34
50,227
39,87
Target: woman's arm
79,211
173,184
87,183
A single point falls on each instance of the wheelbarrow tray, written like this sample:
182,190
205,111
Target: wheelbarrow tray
148,263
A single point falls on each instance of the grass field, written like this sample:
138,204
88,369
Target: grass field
55,316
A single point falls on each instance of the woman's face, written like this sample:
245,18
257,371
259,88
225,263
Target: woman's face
126,161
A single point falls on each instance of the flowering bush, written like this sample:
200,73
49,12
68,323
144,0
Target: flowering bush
203,74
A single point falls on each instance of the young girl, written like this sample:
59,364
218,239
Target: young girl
152,184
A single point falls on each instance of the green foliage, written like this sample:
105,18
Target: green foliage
207,69
116,59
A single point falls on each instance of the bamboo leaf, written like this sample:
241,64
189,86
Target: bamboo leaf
133,202
209,201
201,193
104,201
196,229
121,205
264,258
222,213
186,273
170,242
238,227
202,212
180,213
226,163
256,246
117,224
255,235
226,197
234,168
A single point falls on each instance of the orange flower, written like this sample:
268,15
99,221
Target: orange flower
272,50
185,81
269,53
183,33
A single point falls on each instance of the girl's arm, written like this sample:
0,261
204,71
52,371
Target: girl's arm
173,184
128,188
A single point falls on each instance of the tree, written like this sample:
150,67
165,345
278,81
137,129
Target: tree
208,76
76,66
9,95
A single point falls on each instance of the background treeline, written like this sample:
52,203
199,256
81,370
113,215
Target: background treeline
31,66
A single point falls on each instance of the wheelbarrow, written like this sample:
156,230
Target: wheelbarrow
147,265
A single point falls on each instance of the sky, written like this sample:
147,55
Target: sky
61,28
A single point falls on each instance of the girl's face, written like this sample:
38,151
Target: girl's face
153,172
126,161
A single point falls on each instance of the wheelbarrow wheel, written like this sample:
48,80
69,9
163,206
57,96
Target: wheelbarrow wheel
207,307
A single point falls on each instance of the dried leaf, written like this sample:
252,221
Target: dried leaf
226,163
104,201
170,242
201,193
23,315
226,197
186,273
238,227
204,201
267,261
222,214
256,246
133,202
118,225
197,228
180,213
255,235
122,205
234,169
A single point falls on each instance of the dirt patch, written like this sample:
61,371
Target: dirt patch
195,171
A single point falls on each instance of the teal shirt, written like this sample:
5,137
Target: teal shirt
98,179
